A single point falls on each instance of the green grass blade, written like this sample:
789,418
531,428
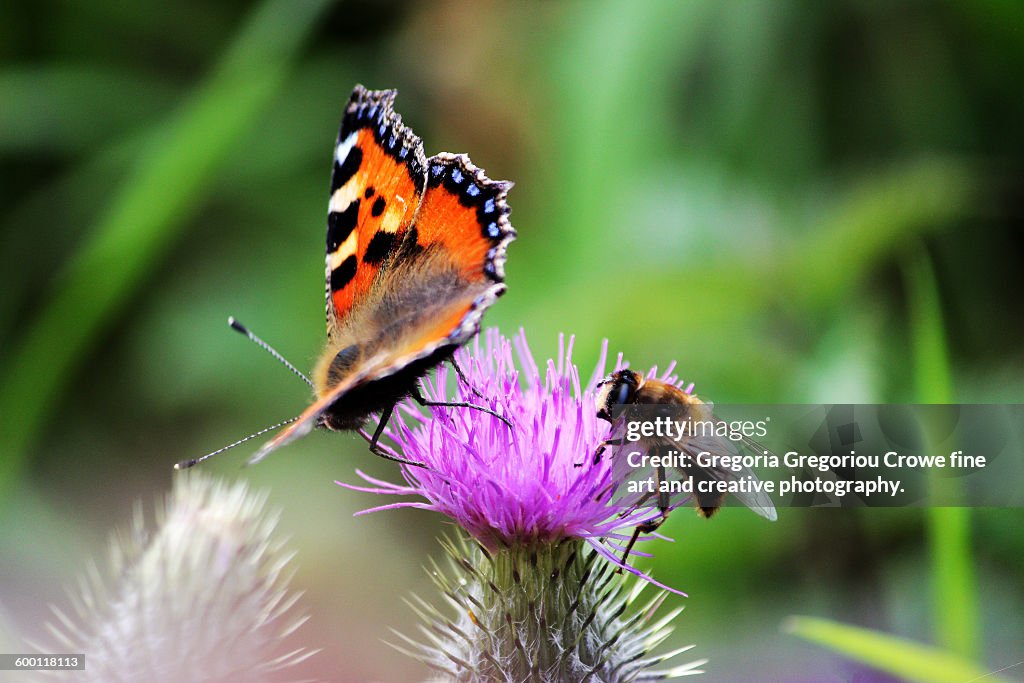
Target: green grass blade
898,656
147,213
954,599
933,381
608,71
884,212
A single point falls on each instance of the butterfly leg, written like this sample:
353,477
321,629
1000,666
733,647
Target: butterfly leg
375,448
462,376
455,404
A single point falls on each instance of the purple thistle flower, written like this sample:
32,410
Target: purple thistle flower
534,483
530,603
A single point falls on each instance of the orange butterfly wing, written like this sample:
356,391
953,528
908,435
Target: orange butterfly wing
378,179
400,223
454,250
466,213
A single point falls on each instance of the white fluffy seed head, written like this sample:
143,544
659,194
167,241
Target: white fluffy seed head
203,598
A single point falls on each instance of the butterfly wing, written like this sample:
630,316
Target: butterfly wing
439,273
376,186
414,258
434,287
416,336
467,214
463,225
399,347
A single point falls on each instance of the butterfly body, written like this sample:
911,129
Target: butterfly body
352,410
381,327
415,255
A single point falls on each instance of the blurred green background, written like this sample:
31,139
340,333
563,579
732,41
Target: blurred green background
798,202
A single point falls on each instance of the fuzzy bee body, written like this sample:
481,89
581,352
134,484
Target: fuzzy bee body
627,395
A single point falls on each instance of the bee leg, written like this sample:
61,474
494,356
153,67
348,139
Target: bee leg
375,448
415,393
599,450
664,499
651,524
462,376
633,508
644,528
605,444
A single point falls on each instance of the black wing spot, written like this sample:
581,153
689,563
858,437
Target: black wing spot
369,192
340,225
378,207
379,247
343,172
343,274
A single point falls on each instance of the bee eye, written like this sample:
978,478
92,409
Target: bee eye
624,393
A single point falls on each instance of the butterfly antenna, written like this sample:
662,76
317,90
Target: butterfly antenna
185,464
239,327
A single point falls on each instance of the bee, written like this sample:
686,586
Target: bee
627,395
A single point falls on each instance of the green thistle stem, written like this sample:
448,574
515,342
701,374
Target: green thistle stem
541,612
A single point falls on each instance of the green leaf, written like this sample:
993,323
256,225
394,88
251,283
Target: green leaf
898,656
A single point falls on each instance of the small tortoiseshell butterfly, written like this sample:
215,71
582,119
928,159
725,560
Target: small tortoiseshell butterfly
415,255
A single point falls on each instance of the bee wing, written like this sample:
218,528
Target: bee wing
758,501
